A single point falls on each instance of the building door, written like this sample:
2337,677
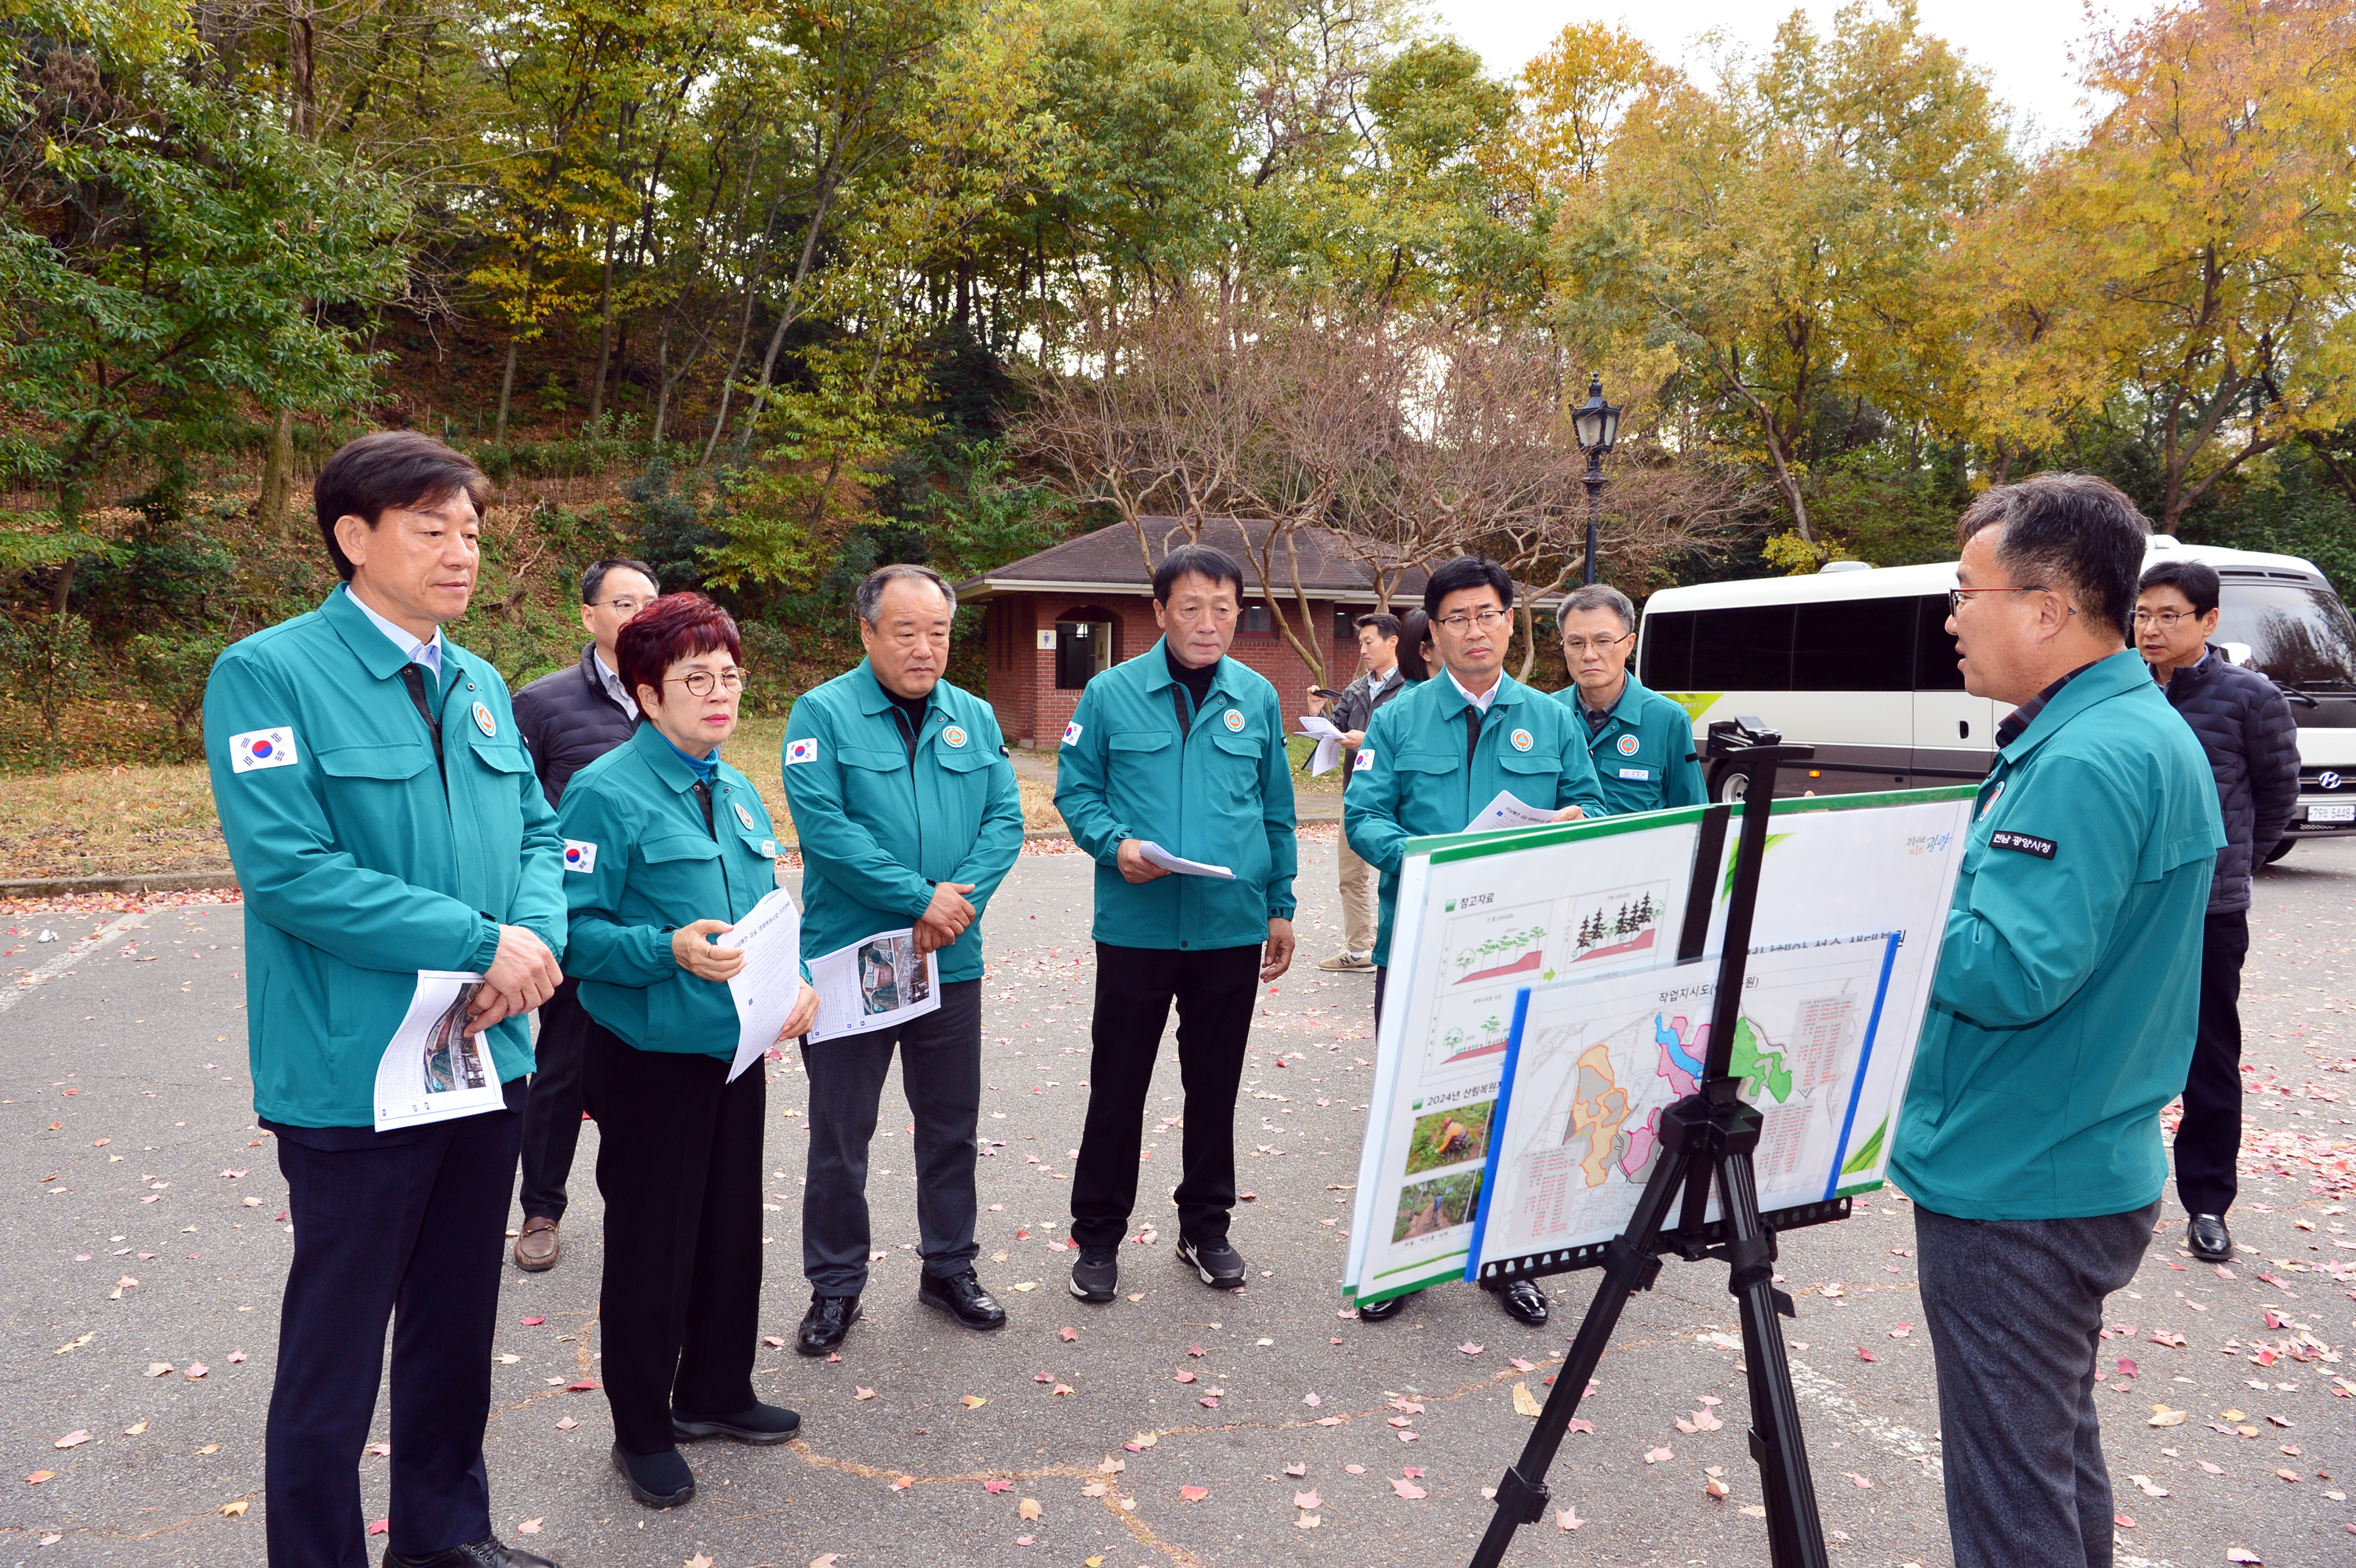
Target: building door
1082,652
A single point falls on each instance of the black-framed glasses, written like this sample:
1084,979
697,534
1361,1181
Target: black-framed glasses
702,682
1956,596
2165,620
1484,619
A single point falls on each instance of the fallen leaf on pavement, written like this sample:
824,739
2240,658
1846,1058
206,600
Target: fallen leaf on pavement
1656,1456
1526,1403
1194,1494
1714,1487
995,1485
1470,1349
2242,1554
1070,1335
1568,1519
233,1510
1308,1500
1861,1480
1408,1490
567,1425
1865,1355
2163,1416
1296,1470
1112,1467
859,1393
134,1429
1308,1520
529,1526
973,1401
37,1477
825,1561
698,1560
72,1440
159,1368
379,1526
1029,1507
1899,1331
2148,1486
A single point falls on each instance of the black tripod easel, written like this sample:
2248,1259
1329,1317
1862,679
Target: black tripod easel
1705,1137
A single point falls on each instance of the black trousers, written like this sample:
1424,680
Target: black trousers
1213,990
679,1164
2208,1139
406,1227
940,1072
551,1117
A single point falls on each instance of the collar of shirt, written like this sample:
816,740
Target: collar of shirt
428,653
1599,717
2026,714
704,765
613,679
1482,702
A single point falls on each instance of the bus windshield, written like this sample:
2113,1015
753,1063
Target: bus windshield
2300,636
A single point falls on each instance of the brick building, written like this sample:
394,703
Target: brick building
1056,619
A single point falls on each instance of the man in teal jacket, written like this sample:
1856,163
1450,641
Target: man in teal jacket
1177,753
1641,743
909,815
1441,753
2061,1021
384,819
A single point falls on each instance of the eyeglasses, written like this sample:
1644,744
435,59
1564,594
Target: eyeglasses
1581,644
622,605
1957,596
1484,619
2164,620
701,682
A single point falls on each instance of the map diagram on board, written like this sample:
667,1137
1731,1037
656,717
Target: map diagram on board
1601,1061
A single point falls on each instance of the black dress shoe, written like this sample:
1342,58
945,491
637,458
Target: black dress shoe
962,1297
658,1481
1219,1264
830,1317
1378,1311
1522,1299
487,1552
2210,1241
762,1424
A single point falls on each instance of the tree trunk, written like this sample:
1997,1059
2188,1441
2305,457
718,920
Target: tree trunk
277,472
604,332
62,595
662,383
507,390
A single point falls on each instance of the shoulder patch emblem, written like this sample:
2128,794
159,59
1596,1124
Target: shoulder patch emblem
272,748
744,817
1072,733
485,722
953,736
804,751
1627,744
1365,760
580,856
2027,843
1523,741
1235,721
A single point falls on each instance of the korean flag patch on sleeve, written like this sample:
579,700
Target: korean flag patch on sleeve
1365,760
1072,733
580,856
803,750
272,748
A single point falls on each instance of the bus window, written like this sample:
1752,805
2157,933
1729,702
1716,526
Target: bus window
1935,669
1668,651
1745,649
2300,636
1854,645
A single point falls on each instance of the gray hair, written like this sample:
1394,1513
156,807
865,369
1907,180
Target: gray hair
1597,596
870,591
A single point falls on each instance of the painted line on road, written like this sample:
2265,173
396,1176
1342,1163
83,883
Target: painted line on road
65,961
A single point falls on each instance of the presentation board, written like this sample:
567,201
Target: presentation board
1537,1019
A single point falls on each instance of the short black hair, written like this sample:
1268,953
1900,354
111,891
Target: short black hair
2068,530
1385,625
2197,580
1466,571
1415,634
390,468
593,581
1195,560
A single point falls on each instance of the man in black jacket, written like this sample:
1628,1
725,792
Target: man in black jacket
569,719
2245,724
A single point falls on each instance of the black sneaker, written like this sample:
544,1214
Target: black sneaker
658,1481
962,1297
1221,1267
762,1424
1097,1276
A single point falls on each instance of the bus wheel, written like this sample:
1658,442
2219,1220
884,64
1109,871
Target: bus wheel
1730,784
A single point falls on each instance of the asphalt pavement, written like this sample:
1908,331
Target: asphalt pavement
1174,1425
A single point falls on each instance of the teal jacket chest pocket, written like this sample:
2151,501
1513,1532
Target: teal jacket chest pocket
678,881
1142,778
1236,759
1533,776
965,775
368,788
874,781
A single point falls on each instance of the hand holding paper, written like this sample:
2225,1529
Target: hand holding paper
1509,810
1156,855
766,980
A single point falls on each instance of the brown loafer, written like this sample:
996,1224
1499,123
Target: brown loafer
538,1249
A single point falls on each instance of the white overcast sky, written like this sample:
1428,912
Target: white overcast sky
2026,45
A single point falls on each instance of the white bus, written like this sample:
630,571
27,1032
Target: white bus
1857,662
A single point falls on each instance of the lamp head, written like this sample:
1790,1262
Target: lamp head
1596,422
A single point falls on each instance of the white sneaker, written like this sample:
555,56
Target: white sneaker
1349,964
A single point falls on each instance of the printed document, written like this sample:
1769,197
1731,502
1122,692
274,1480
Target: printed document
1508,811
1155,854
432,1069
874,983
1330,741
770,983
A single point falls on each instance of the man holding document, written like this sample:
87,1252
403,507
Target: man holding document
909,818
1468,750
397,856
1173,778
666,850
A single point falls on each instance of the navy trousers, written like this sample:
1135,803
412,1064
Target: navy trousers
406,1227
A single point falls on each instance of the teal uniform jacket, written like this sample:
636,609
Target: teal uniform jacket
361,862
1643,755
1216,789
1411,779
2063,1016
878,829
639,864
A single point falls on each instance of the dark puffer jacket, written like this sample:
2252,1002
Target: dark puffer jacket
569,722
2246,725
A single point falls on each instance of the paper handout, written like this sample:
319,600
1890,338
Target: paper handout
1507,810
770,983
432,1069
1330,738
1156,855
874,983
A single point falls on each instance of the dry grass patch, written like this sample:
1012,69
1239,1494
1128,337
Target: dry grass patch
124,820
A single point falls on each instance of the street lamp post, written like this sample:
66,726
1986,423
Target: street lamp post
1596,424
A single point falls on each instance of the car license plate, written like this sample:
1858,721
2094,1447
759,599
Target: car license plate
2332,813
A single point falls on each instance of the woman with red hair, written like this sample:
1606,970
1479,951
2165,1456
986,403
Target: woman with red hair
666,847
